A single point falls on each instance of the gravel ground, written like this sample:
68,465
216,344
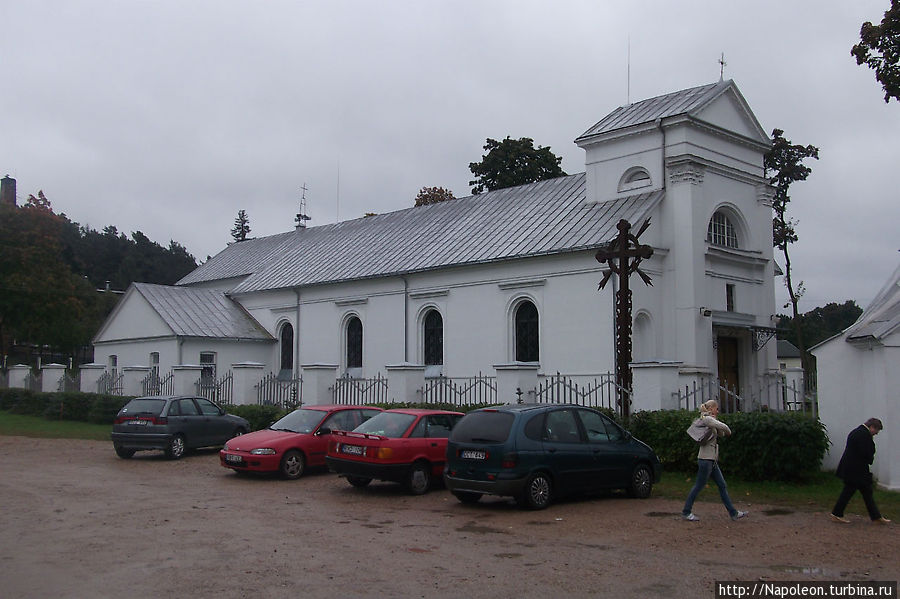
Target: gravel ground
77,521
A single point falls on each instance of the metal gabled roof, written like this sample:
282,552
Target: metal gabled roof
687,101
541,218
194,312
882,316
237,260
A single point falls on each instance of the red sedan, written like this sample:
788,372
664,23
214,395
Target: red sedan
406,446
294,442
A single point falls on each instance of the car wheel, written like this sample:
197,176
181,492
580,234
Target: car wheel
537,492
124,453
641,482
358,481
176,447
239,431
419,478
467,497
293,464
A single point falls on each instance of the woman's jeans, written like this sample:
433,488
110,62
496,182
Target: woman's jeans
705,469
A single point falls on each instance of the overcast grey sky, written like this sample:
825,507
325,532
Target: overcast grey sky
170,116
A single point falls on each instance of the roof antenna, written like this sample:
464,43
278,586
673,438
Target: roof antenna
628,73
301,217
722,64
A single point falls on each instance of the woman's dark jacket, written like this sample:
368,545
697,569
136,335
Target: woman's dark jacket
860,452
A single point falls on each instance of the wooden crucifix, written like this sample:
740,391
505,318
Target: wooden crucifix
623,255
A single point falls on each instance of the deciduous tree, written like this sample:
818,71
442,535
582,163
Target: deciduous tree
513,162
879,49
433,195
784,166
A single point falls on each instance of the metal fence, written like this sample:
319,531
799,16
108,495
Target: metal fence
110,383
68,382
219,390
154,384
358,392
770,393
464,391
597,391
285,393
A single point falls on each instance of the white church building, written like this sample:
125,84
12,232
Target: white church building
502,284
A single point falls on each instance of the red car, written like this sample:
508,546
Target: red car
406,446
293,443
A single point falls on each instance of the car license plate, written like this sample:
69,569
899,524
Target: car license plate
234,459
471,454
138,422
352,449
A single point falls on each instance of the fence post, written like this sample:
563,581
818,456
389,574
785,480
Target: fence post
517,376
653,382
90,376
186,377
18,376
318,383
51,374
133,379
406,382
245,377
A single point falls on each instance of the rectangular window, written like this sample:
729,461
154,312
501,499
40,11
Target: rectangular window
729,297
208,364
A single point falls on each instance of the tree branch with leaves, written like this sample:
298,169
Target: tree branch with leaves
879,49
513,162
784,166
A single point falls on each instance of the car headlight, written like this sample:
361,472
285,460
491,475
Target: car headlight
262,451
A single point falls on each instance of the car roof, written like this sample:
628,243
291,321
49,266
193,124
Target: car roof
528,407
423,411
338,407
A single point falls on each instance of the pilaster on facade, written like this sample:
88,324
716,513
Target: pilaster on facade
765,194
686,172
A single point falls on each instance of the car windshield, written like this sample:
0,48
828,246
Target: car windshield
483,427
144,406
299,421
387,424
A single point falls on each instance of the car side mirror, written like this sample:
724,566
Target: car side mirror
324,431
221,411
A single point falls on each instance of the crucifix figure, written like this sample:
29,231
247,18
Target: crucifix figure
623,255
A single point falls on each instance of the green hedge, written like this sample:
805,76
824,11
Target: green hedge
259,417
763,446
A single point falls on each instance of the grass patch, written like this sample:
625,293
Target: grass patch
34,426
816,494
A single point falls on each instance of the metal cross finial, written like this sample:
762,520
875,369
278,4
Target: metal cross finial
722,64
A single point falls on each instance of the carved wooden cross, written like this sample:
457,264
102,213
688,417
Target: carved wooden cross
623,255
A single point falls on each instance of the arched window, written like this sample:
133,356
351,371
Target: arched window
354,342
634,178
433,338
527,341
721,231
287,350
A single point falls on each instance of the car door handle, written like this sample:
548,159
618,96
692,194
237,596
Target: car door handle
552,450
434,444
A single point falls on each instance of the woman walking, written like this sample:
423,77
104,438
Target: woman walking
707,464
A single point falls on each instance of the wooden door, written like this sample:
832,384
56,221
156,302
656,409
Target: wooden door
729,373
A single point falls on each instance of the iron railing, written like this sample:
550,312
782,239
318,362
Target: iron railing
154,384
359,392
596,391
220,391
463,391
284,393
110,383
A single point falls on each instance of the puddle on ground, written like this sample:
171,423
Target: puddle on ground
777,512
482,530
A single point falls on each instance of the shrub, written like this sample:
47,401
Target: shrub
764,446
68,406
105,407
259,417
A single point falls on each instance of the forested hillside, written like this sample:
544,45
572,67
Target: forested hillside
54,276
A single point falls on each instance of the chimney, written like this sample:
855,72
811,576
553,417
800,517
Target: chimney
7,191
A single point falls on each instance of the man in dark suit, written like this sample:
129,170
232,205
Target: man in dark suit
853,469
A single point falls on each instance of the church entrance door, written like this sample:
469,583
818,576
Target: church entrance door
729,373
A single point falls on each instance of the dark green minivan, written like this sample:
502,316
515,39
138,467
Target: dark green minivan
535,453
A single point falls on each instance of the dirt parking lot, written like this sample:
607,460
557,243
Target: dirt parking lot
79,522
